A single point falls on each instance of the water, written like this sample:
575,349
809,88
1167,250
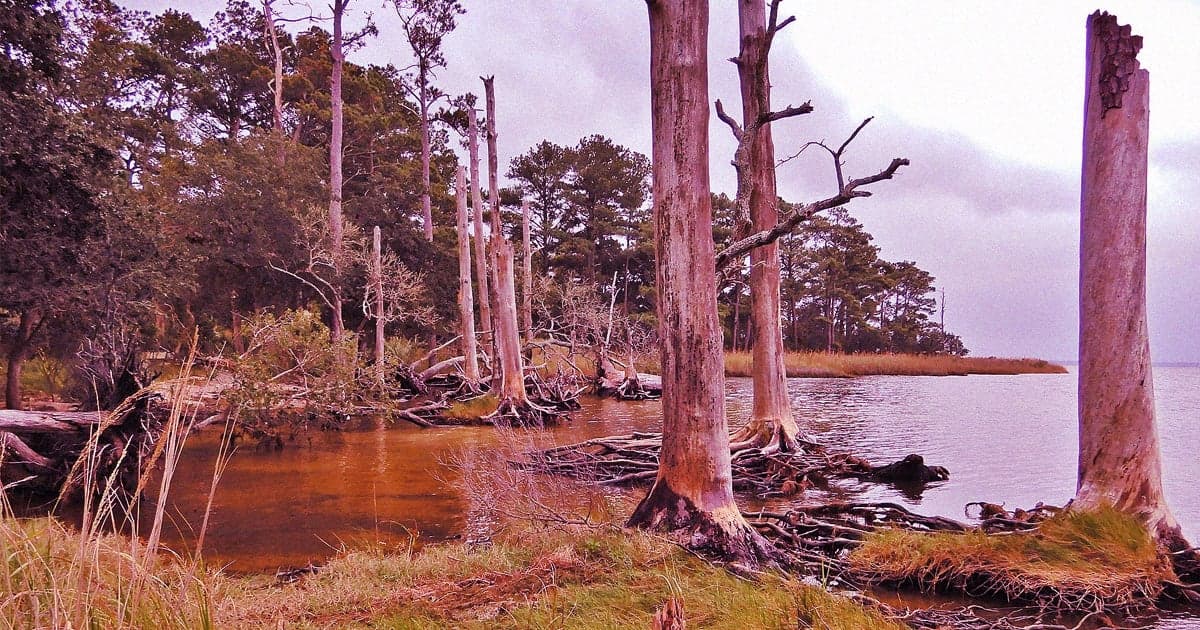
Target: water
1005,439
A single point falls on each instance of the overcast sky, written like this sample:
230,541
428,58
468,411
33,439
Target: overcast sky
985,99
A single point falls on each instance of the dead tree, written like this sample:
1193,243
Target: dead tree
481,270
526,275
514,408
771,426
1119,461
377,284
466,301
336,328
692,496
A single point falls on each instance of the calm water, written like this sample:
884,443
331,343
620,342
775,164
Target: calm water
1005,439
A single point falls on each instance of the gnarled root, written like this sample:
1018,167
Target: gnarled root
721,533
522,413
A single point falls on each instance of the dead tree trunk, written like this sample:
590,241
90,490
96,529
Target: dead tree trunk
514,408
481,270
692,496
377,285
526,276
771,425
18,352
466,312
335,166
1119,460
426,203
277,77
489,91
497,228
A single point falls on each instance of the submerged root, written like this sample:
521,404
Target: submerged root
765,472
522,413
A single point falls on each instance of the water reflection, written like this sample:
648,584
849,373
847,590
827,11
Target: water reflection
1005,439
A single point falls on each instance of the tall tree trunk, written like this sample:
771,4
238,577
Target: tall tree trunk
1118,442
508,338
692,496
335,166
489,91
497,228
481,266
771,424
377,285
277,77
426,204
466,311
526,275
18,352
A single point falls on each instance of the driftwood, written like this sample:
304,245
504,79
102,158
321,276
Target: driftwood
40,450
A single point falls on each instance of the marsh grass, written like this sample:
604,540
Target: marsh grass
821,364
1075,560
93,577
557,579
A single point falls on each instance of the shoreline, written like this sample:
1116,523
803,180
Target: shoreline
832,365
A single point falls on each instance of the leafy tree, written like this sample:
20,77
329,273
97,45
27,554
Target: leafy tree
50,207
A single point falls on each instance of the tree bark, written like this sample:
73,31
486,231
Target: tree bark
526,276
692,496
771,423
466,312
277,81
377,285
335,165
1119,462
18,352
481,270
508,339
426,204
489,91
497,228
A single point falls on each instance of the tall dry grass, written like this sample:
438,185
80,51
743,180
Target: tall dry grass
830,365
55,576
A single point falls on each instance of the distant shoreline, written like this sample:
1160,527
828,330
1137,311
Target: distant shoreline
827,365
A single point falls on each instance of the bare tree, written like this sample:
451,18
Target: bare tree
526,275
771,425
377,285
514,404
692,496
335,163
481,267
466,301
1119,462
426,23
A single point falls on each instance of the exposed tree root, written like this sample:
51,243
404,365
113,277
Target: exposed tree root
719,534
764,472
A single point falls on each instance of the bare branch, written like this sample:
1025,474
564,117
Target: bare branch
854,135
742,247
787,112
728,120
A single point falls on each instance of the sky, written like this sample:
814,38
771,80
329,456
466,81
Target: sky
985,99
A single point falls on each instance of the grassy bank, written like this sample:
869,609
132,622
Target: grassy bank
556,578
1081,561
821,364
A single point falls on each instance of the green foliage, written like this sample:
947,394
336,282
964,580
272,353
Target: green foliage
292,376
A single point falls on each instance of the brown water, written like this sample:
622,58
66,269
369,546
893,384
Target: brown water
1009,439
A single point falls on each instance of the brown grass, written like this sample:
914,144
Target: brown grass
1076,560
827,365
